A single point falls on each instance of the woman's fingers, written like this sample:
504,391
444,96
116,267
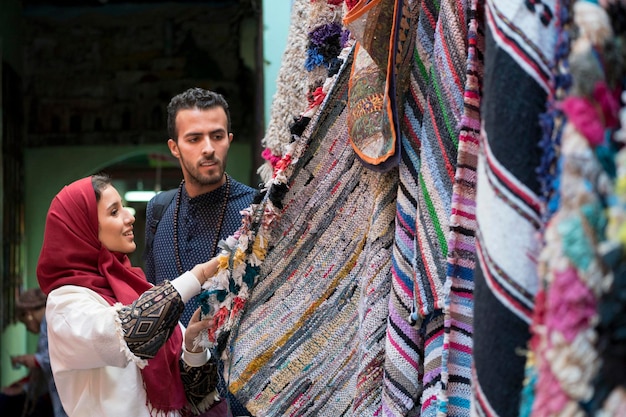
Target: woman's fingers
195,326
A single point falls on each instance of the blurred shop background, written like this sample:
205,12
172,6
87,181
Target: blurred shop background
85,85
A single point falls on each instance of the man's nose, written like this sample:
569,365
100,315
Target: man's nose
207,147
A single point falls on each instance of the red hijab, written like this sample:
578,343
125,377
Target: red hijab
72,254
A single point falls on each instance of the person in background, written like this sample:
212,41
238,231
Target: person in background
116,345
36,394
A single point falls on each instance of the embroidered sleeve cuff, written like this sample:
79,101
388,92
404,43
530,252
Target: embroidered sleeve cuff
196,359
187,286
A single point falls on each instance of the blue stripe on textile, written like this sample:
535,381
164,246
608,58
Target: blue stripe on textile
461,272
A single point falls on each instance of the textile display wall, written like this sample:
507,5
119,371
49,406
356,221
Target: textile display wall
440,231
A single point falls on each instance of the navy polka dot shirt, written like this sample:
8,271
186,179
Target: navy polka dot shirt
197,227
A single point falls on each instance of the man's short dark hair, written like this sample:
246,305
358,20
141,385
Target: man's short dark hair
194,98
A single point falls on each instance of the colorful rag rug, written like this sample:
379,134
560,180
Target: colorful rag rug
311,341
520,37
315,40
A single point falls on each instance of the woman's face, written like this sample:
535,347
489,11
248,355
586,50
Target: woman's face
115,223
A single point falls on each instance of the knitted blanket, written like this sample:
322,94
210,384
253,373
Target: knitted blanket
519,49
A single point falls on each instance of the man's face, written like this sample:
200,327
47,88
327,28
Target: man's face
202,148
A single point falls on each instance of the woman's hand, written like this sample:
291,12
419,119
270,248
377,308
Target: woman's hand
193,329
206,270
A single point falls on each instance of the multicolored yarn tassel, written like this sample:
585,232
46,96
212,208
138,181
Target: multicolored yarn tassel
573,269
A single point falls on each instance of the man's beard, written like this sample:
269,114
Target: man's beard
203,180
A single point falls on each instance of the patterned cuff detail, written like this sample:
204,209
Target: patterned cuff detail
200,384
150,320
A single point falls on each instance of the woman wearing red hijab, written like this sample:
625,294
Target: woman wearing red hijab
116,347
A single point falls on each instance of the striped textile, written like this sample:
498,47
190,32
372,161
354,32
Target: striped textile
459,307
519,49
416,352
442,57
548,171
311,342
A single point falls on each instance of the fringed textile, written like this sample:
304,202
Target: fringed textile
553,119
548,171
315,40
415,352
578,261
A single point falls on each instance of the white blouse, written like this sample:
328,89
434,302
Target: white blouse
95,373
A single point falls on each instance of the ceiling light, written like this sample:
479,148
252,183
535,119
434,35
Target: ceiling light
139,196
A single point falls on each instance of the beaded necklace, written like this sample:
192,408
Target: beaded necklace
179,266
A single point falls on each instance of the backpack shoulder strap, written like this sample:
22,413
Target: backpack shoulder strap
161,201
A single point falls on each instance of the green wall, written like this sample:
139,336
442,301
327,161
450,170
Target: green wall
276,15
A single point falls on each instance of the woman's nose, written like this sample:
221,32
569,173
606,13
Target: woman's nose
129,216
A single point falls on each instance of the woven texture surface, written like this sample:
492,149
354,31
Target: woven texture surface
332,311
312,339
433,348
